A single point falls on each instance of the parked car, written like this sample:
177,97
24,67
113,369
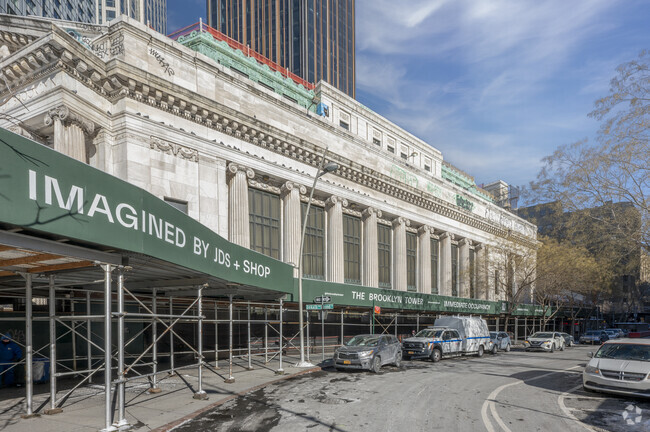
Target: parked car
369,352
594,336
620,366
450,336
617,331
500,341
545,341
613,334
568,339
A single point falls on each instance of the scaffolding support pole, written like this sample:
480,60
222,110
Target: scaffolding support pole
154,337
89,351
200,394
74,333
266,335
280,371
308,341
52,307
108,411
171,336
342,333
216,336
121,423
29,385
230,378
248,331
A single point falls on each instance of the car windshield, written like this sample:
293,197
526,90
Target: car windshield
624,352
428,333
493,334
542,335
364,340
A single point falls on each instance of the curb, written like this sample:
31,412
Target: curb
196,413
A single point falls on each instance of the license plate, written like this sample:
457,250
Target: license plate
410,352
346,361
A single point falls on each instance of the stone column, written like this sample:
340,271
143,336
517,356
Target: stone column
445,263
70,132
238,213
399,253
334,207
292,221
480,272
463,268
370,269
424,259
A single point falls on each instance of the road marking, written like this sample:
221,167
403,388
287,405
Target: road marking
491,399
567,411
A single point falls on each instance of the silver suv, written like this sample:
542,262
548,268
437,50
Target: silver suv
369,352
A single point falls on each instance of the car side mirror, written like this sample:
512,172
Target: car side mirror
591,354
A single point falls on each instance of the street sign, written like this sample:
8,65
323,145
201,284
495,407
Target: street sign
320,306
322,299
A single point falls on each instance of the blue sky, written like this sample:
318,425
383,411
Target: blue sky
495,85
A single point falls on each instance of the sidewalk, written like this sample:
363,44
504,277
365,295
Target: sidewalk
84,410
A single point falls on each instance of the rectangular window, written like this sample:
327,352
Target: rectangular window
427,164
390,148
352,249
404,152
179,204
376,141
434,265
384,242
264,214
472,275
313,251
411,260
454,270
496,284
344,125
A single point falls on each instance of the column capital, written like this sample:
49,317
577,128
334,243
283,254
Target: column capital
478,246
67,116
425,229
446,234
370,211
400,221
333,200
233,168
464,241
289,186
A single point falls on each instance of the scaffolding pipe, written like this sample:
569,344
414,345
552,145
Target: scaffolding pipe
200,394
266,335
107,347
29,385
230,378
250,364
89,359
216,337
171,336
342,334
154,333
121,419
280,371
308,340
53,374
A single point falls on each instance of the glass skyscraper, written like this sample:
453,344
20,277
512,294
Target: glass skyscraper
91,11
314,39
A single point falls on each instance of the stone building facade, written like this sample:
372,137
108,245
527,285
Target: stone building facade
240,157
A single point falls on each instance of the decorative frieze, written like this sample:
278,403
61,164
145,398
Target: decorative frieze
173,149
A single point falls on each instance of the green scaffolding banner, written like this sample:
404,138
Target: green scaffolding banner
43,190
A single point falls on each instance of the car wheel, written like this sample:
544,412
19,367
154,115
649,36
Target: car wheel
480,351
436,355
339,369
376,364
398,360
553,348
494,349
508,348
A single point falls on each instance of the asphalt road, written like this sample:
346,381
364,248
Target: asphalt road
515,391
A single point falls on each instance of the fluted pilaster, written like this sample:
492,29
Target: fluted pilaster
370,270
334,207
70,132
424,259
292,221
238,210
445,263
399,253
480,272
463,268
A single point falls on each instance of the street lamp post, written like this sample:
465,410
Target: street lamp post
322,170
